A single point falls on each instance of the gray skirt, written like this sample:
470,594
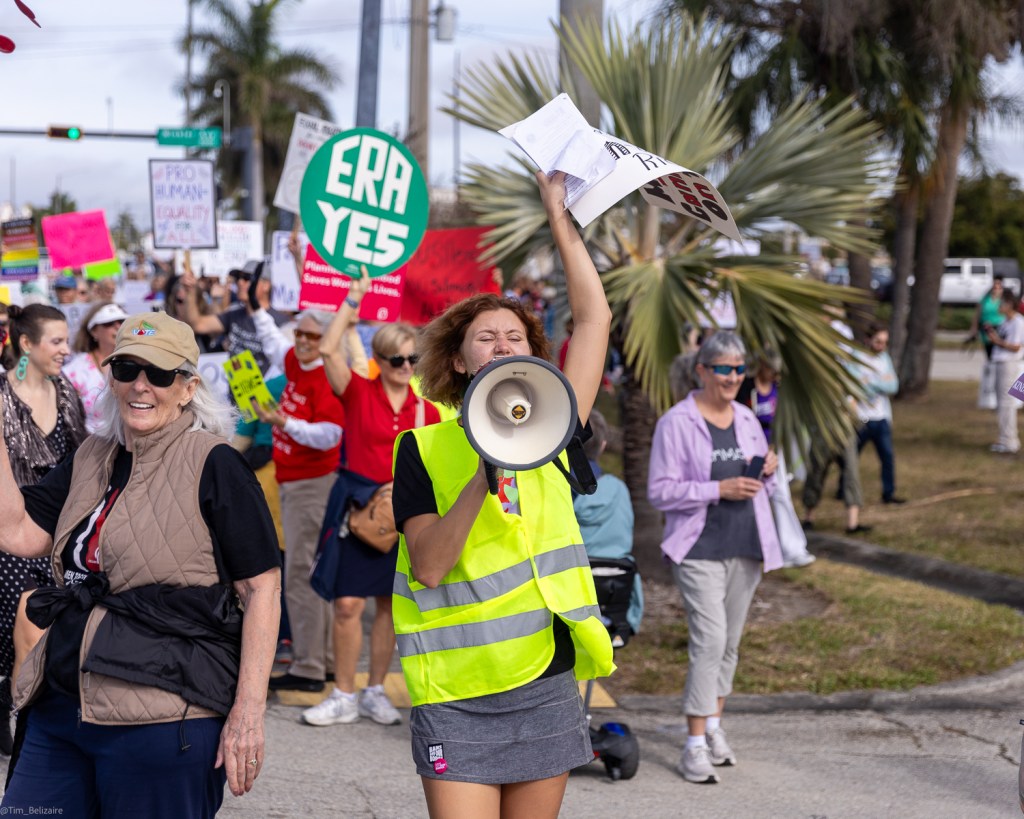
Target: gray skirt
536,731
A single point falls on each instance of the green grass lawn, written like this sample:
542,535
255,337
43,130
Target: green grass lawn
831,627
859,630
965,502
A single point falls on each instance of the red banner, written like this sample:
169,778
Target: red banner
444,270
324,288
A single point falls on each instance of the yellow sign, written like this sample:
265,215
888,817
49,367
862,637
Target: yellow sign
247,385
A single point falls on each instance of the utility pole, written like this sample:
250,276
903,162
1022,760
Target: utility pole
369,62
573,12
417,136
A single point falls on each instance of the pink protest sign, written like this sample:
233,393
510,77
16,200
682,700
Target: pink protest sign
324,288
1017,390
76,239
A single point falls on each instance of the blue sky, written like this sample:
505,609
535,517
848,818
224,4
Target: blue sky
115,62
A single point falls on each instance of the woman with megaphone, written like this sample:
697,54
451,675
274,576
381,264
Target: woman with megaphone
494,603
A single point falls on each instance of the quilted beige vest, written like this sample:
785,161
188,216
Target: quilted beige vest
155,533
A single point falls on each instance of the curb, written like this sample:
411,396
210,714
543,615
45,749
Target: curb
991,587
1001,690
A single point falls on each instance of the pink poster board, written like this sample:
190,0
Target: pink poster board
76,239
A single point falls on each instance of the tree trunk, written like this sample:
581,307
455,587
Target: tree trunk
903,251
860,315
923,320
637,418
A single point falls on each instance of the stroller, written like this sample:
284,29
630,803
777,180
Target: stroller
613,743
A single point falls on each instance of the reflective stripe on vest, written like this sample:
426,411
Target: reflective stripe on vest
467,592
474,634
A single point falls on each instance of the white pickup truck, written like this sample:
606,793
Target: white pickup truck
965,281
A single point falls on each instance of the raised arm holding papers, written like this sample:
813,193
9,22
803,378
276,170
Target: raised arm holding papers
558,138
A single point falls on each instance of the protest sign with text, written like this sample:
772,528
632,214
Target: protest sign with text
284,275
76,239
247,385
19,251
593,188
443,271
364,202
1017,390
308,134
237,243
324,288
183,199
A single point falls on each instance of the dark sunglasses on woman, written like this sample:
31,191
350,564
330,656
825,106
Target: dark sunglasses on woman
127,371
397,361
727,369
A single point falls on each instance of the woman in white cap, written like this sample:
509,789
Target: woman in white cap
92,344
148,691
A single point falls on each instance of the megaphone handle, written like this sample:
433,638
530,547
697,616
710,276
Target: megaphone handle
491,471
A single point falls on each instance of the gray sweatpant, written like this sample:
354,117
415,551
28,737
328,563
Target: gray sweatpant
717,595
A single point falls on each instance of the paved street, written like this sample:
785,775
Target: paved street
905,763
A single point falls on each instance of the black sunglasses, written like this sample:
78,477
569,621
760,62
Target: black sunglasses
397,361
127,371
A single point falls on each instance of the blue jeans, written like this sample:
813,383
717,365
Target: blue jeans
85,771
880,434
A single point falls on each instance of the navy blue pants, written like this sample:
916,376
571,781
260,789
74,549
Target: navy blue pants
879,433
89,771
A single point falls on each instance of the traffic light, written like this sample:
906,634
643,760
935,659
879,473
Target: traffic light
64,132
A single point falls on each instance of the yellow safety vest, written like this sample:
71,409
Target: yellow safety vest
487,627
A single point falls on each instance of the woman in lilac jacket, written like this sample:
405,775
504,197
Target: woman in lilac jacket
718,533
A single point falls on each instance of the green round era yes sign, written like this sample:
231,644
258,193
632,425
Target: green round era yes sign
364,201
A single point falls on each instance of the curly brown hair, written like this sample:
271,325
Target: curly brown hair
443,337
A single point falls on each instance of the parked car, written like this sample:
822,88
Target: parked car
965,281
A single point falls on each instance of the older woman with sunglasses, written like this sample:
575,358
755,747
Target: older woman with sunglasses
376,411
148,690
307,430
712,475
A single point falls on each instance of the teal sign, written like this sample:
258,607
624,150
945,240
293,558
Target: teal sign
364,202
189,137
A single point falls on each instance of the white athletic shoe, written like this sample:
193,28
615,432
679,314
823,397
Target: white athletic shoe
695,766
376,705
334,710
721,753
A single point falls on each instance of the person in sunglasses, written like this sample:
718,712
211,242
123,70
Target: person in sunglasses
307,431
719,534
235,323
148,691
376,412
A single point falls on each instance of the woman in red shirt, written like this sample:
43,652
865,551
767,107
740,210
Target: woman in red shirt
306,452
376,411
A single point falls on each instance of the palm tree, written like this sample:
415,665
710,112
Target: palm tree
917,68
666,90
269,86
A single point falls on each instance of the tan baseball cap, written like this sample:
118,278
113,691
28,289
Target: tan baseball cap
157,339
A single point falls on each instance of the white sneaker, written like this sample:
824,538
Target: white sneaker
695,766
375,704
721,753
806,559
336,709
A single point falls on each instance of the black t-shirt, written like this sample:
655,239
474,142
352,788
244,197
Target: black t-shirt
231,503
413,494
240,333
730,529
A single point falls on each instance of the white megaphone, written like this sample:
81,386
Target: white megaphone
519,413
